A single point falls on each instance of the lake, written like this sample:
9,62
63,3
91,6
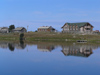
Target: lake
49,58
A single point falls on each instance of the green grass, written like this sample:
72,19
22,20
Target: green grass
35,36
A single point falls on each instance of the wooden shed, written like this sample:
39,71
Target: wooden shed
46,29
20,30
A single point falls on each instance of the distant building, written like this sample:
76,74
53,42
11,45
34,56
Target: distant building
4,30
46,29
83,27
96,31
20,30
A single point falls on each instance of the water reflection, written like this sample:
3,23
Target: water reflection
12,45
81,50
45,48
78,50
4,45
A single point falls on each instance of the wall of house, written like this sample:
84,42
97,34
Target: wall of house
86,29
23,30
81,29
66,28
43,30
71,29
46,30
4,31
75,29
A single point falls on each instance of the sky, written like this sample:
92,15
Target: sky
55,13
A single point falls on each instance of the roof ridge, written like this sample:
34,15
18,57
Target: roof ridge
79,22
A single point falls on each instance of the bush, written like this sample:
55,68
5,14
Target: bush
21,36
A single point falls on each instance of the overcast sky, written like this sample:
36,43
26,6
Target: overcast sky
36,13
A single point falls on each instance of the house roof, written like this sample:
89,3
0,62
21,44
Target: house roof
78,24
44,27
3,27
19,28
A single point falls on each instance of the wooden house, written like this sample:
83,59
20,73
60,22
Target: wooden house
4,30
46,29
19,30
83,27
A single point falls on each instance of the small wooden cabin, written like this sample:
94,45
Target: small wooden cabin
4,30
19,30
46,29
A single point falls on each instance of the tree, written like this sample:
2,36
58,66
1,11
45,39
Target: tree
11,47
21,36
11,27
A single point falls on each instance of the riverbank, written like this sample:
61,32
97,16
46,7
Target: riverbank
54,37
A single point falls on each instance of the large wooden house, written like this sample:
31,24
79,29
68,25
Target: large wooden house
83,27
46,29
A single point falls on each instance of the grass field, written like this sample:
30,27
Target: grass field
35,36
60,37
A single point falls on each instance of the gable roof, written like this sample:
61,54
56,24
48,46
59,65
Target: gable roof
19,28
46,27
3,27
80,24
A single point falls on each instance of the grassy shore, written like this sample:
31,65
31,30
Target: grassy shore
55,37
60,37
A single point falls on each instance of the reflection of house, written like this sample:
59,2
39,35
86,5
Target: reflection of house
83,27
46,29
4,30
3,45
83,51
20,30
45,48
12,45
20,46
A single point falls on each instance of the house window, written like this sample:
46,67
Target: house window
88,29
76,27
73,27
70,27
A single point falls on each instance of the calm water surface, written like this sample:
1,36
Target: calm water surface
49,59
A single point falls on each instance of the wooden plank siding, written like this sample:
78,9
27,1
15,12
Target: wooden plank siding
77,27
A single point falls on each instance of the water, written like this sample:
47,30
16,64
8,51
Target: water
49,59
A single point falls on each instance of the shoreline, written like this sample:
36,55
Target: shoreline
53,37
